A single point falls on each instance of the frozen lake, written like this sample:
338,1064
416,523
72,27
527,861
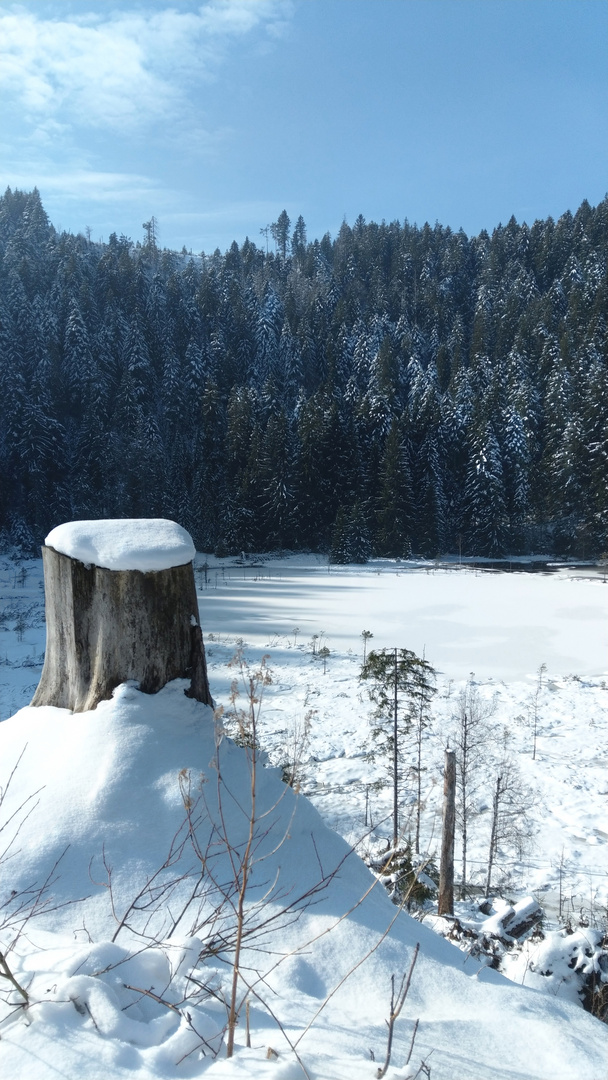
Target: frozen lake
499,625
502,626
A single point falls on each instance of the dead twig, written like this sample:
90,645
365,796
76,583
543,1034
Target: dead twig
397,1003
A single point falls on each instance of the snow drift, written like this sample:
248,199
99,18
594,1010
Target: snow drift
142,807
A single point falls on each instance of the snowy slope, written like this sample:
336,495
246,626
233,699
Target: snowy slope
111,791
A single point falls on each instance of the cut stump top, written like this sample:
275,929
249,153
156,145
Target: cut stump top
144,544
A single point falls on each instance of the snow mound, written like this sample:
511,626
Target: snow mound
144,544
143,808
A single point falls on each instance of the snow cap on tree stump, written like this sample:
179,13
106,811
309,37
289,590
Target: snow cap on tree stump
120,604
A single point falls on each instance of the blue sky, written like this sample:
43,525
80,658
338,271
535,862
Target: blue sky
215,116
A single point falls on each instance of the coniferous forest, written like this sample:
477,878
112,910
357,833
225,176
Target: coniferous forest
396,390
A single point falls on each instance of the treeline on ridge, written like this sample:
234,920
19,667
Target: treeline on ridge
396,390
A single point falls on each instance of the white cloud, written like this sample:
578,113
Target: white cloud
90,184
79,184
124,71
96,105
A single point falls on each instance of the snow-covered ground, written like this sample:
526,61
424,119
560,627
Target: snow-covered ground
492,629
111,779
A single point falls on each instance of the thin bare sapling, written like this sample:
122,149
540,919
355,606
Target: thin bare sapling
396,1005
296,748
23,905
534,707
253,918
471,738
512,800
254,682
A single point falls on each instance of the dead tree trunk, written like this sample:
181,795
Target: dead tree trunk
446,866
498,792
106,626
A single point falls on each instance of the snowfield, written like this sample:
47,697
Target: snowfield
466,624
501,625
132,781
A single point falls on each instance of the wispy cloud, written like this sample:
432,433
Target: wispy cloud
123,71
103,187
96,102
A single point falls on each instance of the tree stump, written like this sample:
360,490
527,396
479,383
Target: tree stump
135,616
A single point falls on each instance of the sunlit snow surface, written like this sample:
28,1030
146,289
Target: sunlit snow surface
110,780
124,543
499,625
111,793
503,625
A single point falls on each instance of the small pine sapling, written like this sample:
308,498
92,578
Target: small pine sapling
401,688
323,655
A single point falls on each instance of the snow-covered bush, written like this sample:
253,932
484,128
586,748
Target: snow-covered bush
408,879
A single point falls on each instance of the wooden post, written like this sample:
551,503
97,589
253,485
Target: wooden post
446,866
105,626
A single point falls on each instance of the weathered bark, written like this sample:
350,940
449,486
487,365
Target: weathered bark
107,626
446,866
199,685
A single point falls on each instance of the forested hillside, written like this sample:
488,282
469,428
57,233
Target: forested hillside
394,390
